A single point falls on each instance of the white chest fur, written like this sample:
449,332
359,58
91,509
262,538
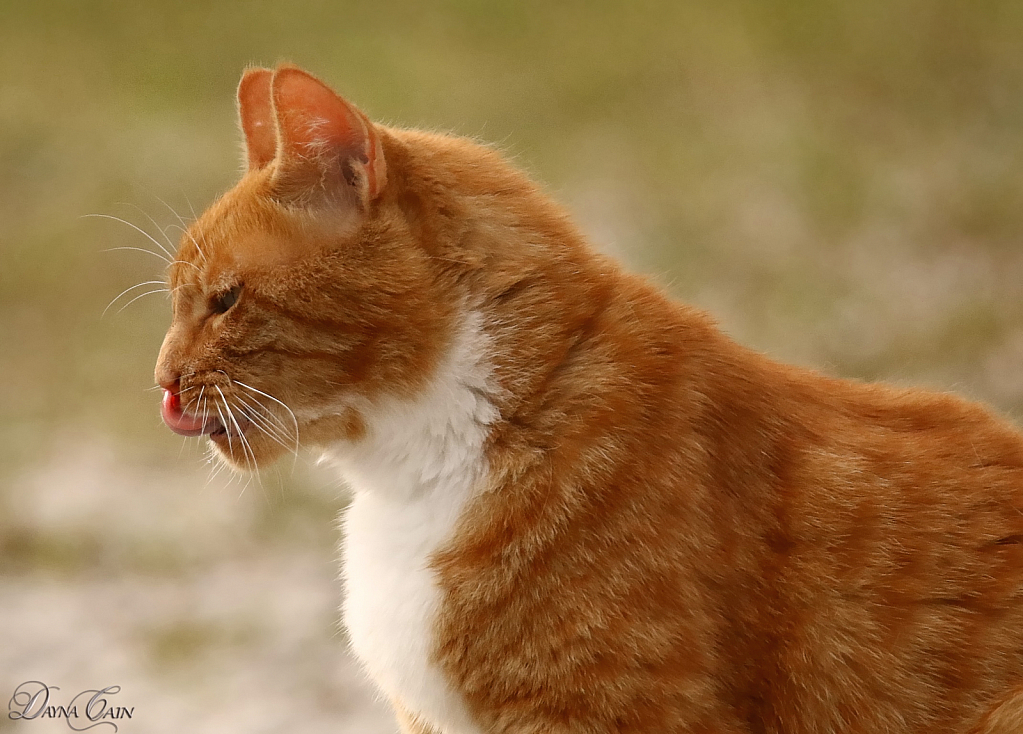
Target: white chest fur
419,465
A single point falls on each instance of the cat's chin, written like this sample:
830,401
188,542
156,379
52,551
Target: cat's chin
243,449
247,445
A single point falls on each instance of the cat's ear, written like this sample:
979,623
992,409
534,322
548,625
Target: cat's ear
324,143
256,115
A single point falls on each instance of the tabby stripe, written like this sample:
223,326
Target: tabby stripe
321,324
290,354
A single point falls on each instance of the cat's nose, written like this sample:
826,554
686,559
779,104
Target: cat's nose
168,381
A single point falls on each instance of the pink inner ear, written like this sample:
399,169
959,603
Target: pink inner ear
312,116
315,123
255,108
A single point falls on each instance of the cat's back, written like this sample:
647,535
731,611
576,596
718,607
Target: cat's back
758,542
877,583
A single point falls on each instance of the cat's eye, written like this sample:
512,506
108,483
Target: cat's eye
221,302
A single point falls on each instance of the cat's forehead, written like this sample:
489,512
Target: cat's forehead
244,231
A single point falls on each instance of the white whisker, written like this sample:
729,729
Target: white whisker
230,445
279,402
246,449
267,416
190,207
138,249
194,241
244,486
147,293
184,226
215,458
223,422
172,210
185,262
160,229
195,401
139,285
263,425
135,227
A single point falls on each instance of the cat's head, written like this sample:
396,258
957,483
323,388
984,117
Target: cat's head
307,289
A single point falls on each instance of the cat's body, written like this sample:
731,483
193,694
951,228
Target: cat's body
578,506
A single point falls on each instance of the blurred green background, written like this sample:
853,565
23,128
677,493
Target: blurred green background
840,183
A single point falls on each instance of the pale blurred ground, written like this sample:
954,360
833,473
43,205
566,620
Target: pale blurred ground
840,183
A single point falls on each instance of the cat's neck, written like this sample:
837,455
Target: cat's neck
414,447
537,291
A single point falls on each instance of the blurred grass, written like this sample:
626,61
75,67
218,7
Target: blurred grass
839,182
187,642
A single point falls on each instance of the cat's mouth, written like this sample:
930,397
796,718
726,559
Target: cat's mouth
187,424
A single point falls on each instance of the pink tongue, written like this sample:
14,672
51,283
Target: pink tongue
176,419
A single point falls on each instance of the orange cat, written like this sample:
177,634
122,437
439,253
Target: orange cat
578,506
